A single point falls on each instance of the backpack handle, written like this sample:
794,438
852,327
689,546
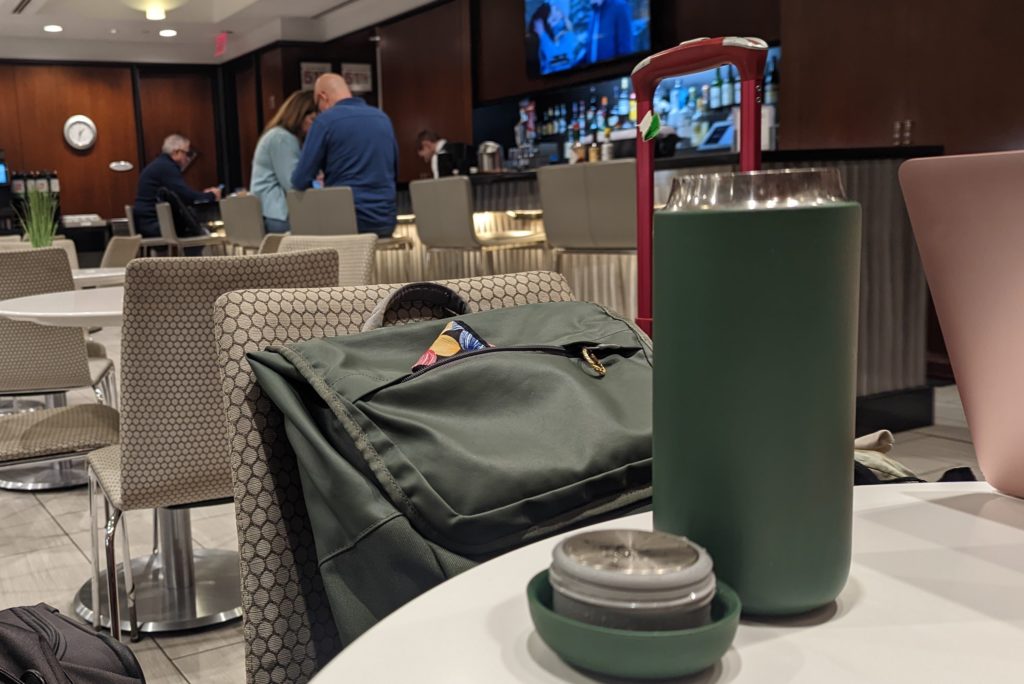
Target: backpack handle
417,299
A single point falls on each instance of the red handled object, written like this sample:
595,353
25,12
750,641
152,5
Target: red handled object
748,56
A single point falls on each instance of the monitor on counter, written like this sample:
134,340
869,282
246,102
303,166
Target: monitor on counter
4,177
568,34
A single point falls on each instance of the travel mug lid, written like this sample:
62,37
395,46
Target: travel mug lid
632,565
771,189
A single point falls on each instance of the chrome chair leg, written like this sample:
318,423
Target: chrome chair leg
94,540
129,583
156,532
108,544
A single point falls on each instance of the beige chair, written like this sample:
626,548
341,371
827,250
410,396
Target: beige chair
589,208
168,232
174,451
45,361
120,250
61,243
243,222
288,628
148,243
328,211
332,211
271,242
444,222
355,253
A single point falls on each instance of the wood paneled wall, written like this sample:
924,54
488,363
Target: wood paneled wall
851,68
180,100
248,106
38,99
427,79
500,41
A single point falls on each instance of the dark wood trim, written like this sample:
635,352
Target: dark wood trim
140,139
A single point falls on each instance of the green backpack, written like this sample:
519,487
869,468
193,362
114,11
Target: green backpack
516,424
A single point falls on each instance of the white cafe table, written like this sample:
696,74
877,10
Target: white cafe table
96,308
936,595
97,277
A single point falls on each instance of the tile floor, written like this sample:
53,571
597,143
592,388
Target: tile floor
44,544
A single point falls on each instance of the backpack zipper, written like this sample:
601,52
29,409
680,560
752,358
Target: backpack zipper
588,352
52,635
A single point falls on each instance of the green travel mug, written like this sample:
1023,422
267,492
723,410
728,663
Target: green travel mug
756,282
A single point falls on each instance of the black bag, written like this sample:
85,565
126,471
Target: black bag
185,222
38,645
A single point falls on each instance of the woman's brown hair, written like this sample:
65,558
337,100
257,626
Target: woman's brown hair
291,114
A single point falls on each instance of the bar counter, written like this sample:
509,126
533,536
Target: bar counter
891,364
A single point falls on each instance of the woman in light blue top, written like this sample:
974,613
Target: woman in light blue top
277,153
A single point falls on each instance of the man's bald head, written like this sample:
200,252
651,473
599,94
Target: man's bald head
329,90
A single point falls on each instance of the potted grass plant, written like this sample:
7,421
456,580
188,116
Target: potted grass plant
38,217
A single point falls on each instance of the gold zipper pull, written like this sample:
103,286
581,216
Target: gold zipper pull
592,361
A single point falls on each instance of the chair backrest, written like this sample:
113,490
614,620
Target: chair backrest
589,206
173,448
444,212
328,211
36,357
120,250
60,243
289,631
356,253
165,217
129,215
243,220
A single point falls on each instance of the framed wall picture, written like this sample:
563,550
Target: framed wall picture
310,71
358,76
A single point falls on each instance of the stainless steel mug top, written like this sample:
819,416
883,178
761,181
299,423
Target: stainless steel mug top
776,188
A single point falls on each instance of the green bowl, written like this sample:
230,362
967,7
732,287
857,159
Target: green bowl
635,654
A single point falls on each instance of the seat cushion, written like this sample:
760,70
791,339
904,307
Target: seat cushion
53,432
106,465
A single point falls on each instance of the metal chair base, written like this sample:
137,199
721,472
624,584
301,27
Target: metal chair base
213,599
36,477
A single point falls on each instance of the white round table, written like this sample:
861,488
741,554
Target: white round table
936,594
97,277
97,308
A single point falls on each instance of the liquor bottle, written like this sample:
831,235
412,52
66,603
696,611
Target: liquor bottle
715,91
607,148
771,83
675,98
685,128
18,184
602,114
579,153
700,124
705,94
54,182
623,103
632,109
727,88
737,87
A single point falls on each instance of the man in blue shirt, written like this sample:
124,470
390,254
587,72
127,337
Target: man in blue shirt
354,145
166,172
610,33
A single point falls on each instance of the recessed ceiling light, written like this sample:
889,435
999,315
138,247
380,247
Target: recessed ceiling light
168,33
113,31
53,28
155,13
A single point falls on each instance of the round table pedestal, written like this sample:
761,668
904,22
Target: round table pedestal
177,587
34,477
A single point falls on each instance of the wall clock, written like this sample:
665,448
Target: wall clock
80,132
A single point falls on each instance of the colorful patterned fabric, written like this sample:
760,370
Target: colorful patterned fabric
456,338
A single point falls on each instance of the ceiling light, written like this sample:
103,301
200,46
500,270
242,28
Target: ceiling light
113,31
168,33
155,13
53,28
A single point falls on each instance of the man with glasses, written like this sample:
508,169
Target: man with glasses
165,173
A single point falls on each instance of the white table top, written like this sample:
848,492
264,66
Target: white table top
936,594
97,277
100,307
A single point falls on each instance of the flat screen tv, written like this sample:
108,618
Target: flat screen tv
570,34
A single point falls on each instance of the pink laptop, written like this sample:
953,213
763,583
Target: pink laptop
968,217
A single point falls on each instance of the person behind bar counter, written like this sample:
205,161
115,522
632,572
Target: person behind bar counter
277,155
445,158
354,144
166,171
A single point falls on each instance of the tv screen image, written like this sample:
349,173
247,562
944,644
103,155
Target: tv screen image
567,34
